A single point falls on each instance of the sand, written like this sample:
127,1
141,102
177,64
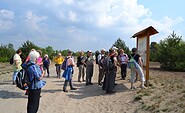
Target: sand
92,99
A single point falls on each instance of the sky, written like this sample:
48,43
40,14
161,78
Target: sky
87,24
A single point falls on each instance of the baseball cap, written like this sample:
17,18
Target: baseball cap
89,51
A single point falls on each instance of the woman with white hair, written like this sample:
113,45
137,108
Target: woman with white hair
35,76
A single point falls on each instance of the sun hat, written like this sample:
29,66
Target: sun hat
114,48
46,55
103,49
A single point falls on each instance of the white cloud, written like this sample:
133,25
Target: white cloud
105,21
84,21
6,14
68,1
165,25
34,21
6,19
72,16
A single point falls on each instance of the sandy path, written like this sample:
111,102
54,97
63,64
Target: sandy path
87,99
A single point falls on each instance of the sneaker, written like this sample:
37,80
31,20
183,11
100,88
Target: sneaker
133,87
142,87
26,93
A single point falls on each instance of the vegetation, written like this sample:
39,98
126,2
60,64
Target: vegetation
6,52
170,52
121,45
154,51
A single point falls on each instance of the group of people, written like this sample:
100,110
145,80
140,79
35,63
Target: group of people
38,66
33,64
106,77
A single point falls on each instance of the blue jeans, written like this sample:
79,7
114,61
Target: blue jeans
15,75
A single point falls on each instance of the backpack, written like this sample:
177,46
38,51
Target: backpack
22,78
79,61
96,56
107,64
132,63
11,61
64,64
101,61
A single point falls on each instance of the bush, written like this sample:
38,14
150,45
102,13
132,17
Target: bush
172,53
6,52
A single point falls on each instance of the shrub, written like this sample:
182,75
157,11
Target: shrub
172,53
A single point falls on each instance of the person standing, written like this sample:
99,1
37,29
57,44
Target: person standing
96,56
35,76
40,60
89,63
123,60
46,64
101,70
68,73
58,60
81,67
110,73
137,69
17,64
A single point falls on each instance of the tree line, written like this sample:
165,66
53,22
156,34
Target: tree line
170,52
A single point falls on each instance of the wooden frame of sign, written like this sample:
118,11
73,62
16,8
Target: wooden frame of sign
143,46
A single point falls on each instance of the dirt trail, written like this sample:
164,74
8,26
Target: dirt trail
86,99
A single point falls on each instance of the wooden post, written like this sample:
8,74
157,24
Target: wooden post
146,33
147,59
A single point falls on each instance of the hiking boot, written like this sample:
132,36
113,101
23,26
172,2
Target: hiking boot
13,83
111,92
73,88
91,84
65,90
100,84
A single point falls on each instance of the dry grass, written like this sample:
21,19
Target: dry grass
166,93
